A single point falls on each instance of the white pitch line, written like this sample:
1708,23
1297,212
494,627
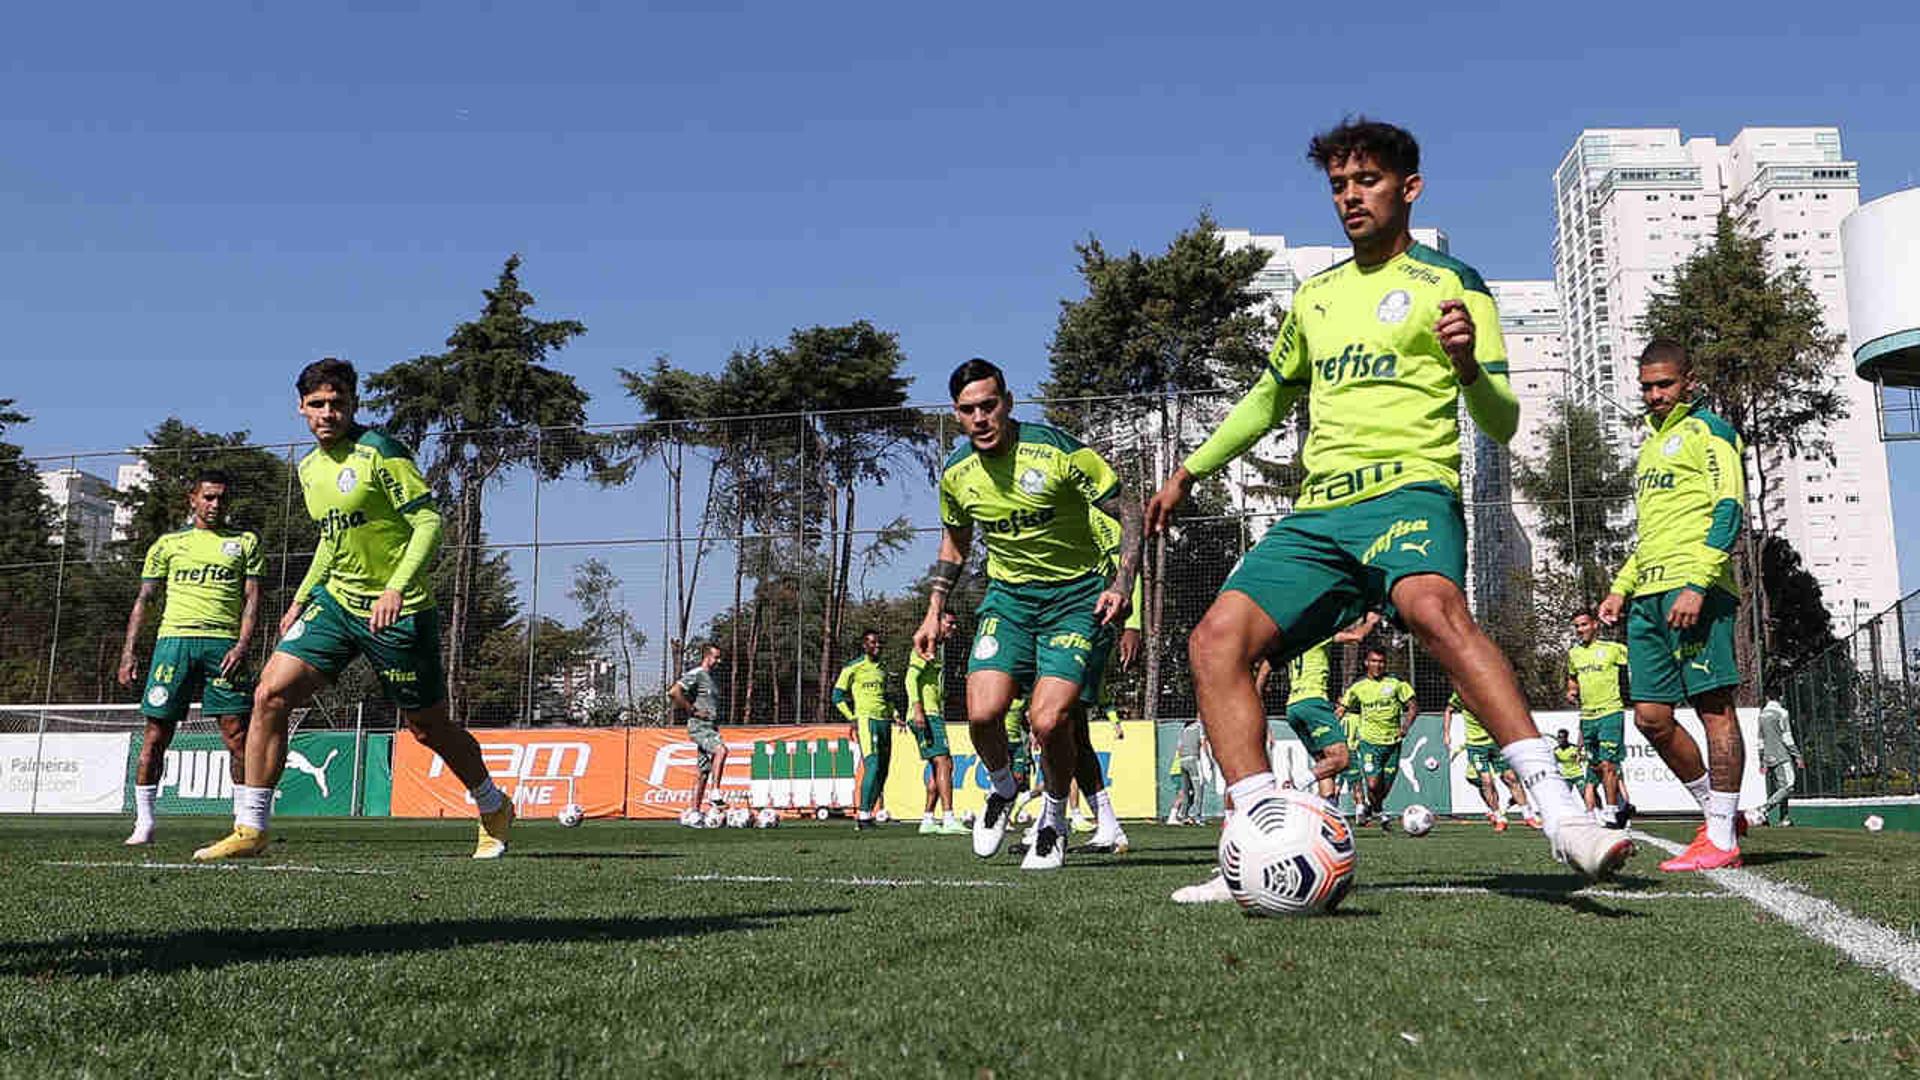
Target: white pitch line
270,868
879,883
1864,942
1595,894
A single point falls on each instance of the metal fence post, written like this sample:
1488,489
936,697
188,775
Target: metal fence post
532,709
359,757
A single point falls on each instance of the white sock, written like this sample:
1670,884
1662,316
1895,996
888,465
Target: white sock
1721,808
1701,787
948,820
1054,812
863,816
926,818
144,796
1103,810
1002,782
252,806
1251,789
486,797
1547,794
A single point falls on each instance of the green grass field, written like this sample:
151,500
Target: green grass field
623,948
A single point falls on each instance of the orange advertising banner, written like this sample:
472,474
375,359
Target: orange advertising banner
534,768
662,764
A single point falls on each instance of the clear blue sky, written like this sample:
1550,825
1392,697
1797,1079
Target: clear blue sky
198,198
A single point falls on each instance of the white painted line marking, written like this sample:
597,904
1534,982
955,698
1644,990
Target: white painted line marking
1596,894
1864,942
269,868
867,882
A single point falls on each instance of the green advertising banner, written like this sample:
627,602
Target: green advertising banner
195,778
1424,777
376,776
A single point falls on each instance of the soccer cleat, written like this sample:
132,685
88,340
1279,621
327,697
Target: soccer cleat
1590,849
1211,891
1702,855
1739,830
1786,823
861,824
1173,819
1499,823
493,832
1386,823
990,828
141,836
1110,845
244,842
928,827
954,828
1049,851
1081,824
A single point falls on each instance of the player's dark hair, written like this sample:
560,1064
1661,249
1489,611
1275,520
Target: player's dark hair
1393,147
328,372
1577,612
1666,351
973,371
210,475
1562,734
871,631
709,647
1375,650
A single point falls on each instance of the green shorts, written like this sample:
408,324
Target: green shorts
1312,720
933,740
1351,774
876,736
1605,738
1378,759
405,656
1318,570
709,742
1485,760
188,667
1043,628
1673,666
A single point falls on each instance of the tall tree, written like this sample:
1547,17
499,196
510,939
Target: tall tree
606,622
26,555
478,410
1765,360
1801,626
1580,490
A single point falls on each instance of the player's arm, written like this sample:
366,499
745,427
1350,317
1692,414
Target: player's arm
413,499
955,541
149,588
677,693
317,572
843,694
916,675
1573,684
249,622
1446,726
1622,587
1469,332
1410,710
1727,486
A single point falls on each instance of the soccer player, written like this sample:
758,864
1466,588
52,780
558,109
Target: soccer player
1047,621
1188,808
365,595
1384,703
1691,491
1485,765
1780,757
860,693
926,693
211,575
698,695
1595,668
1384,346
1570,757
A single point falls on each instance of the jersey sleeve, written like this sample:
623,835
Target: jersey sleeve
843,692
1490,398
1350,700
1405,693
1288,375
1726,482
158,556
916,674
1623,581
1090,475
400,478
256,558
952,514
1136,618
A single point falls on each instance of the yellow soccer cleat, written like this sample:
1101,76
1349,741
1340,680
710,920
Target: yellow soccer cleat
244,842
493,832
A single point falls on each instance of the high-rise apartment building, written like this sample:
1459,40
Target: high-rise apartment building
83,506
1631,204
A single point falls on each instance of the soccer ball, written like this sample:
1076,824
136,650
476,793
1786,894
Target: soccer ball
1417,820
571,815
1875,823
881,817
767,818
739,817
714,819
1291,853
1431,763
690,818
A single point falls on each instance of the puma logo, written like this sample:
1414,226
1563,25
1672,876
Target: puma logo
1419,546
298,762
1321,308
1698,666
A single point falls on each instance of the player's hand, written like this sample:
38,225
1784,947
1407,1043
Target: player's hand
1110,607
1361,627
231,662
927,636
1685,610
1573,697
1160,508
292,616
1129,648
1611,607
385,611
126,669
1455,331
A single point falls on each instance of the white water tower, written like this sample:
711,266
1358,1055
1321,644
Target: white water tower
1880,243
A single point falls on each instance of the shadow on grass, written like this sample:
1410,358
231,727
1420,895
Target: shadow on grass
1558,889
1121,862
1763,858
596,856
166,953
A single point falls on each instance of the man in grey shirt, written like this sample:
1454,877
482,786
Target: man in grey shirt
1779,757
1187,805
698,696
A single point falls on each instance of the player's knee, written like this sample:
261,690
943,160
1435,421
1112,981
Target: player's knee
1653,724
1216,649
1335,756
1049,719
1432,611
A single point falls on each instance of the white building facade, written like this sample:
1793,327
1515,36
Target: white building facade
83,505
1631,205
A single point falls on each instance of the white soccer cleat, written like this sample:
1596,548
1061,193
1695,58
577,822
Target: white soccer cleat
141,836
990,828
1049,851
1115,844
1595,851
1211,891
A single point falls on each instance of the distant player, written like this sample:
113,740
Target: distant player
1050,613
366,594
860,694
1385,705
1779,758
1384,347
1188,749
211,575
1690,495
1595,669
1571,759
698,696
926,696
1486,768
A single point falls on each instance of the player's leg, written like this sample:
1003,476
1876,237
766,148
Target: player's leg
287,683
1000,662
702,772
874,745
1108,835
457,747
147,774
1050,709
